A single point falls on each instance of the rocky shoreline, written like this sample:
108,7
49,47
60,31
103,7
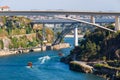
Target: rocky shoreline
80,67
37,49
99,68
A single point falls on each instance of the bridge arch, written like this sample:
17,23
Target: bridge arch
73,26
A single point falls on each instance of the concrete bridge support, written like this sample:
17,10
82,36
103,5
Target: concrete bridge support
63,26
76,35
93,19
117,23
43,33
55,32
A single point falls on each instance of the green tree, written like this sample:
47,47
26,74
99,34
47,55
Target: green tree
28,30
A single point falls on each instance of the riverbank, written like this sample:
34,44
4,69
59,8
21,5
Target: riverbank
37,49
6,52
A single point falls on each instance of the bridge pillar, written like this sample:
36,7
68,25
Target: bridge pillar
76,36
92,19
117,23
55,32
63,26
43,33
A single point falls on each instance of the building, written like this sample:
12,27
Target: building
4,8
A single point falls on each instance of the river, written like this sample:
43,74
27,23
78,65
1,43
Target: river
46,66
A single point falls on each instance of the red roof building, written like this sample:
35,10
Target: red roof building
4,8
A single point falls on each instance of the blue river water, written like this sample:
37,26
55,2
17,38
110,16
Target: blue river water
46,66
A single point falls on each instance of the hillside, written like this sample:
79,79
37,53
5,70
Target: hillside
99,49
18,32
97,45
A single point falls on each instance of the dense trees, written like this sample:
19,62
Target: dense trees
98,44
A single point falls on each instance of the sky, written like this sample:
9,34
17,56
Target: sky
75,5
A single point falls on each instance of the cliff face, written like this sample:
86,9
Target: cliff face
49,35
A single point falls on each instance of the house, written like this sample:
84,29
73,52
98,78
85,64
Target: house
4,8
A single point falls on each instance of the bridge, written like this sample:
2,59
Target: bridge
66,18
60,20
51,12
66,13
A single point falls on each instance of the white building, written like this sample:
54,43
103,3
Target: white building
4,8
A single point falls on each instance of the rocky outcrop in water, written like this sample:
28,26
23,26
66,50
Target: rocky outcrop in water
80,66
61,46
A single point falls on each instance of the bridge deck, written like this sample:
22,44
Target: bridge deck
57,21
12,13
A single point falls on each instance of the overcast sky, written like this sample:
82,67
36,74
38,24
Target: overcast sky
81,5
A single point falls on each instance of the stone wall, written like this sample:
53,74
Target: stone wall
6,52
44,48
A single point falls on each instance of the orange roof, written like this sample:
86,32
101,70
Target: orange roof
4,7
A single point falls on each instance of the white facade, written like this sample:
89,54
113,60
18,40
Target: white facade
4,8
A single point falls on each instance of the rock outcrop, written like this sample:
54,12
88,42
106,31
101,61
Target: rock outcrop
80,67
106,71
61,46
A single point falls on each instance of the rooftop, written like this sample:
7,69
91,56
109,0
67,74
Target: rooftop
4,7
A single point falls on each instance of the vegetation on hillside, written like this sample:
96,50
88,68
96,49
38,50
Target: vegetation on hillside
21,33
14,26
101,50
97,45
22,42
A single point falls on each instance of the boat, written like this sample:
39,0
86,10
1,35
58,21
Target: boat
60,54
29,64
